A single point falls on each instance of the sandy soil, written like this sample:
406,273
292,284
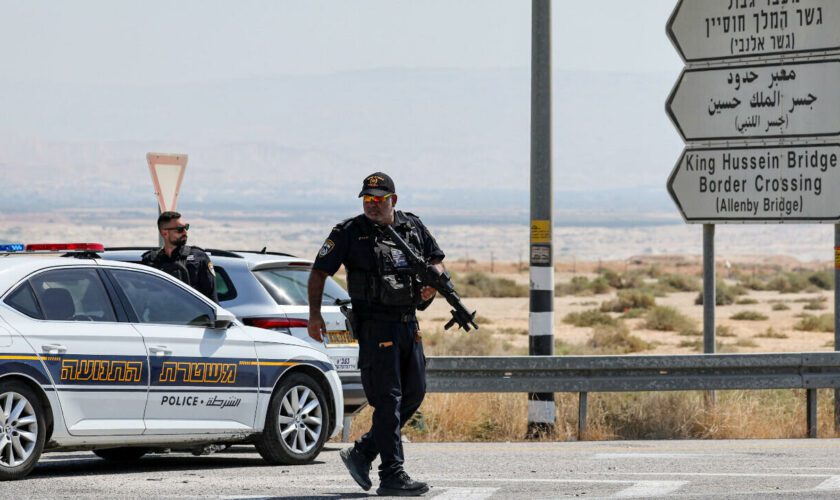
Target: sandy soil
508,317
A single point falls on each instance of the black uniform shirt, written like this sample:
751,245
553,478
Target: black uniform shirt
189,264
350,244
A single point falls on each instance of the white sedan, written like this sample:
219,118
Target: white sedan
122,359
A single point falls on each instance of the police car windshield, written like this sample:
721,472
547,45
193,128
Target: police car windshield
288,287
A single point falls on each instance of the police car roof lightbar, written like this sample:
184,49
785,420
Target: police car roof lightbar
12,247
65,247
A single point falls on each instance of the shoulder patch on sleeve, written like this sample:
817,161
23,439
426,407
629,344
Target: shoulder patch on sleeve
326,248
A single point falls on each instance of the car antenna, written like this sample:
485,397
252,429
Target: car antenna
263,250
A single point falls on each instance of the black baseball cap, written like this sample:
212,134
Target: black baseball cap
377,184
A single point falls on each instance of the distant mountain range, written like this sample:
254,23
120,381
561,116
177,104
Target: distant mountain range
456,142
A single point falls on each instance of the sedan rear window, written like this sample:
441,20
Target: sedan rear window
23,300
288,287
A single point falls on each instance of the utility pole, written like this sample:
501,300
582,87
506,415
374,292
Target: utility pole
541,408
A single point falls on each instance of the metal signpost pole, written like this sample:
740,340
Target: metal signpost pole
709,288
836,319
709,299
541,408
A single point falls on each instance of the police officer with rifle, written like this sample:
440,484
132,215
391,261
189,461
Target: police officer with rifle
394,267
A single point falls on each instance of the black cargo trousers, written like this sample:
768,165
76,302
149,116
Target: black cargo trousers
393,370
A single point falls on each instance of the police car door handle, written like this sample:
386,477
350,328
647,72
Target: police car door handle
160,350
54,348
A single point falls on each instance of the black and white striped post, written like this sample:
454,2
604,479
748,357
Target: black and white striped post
541,410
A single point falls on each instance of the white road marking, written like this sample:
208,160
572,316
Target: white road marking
466,493
671,456
649,489
830,484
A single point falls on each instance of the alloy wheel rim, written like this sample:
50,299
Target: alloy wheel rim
300,421
18,429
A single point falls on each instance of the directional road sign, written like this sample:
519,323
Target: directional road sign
759,101
167,173
703,30
758,184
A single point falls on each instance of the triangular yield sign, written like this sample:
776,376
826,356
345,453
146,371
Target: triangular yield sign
167,173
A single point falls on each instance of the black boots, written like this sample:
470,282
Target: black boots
400,485
357,465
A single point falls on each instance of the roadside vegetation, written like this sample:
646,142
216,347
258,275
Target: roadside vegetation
620,312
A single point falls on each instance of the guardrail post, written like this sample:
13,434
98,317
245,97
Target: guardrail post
583,398
709,299
811,403
836,319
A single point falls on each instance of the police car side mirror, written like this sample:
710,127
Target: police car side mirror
223,319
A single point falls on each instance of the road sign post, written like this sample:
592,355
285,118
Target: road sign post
759,106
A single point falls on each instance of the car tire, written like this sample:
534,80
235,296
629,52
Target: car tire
126,454
22,430
297,422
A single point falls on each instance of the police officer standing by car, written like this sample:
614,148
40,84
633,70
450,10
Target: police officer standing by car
385,294
189,264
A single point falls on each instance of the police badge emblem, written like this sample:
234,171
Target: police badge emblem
327,248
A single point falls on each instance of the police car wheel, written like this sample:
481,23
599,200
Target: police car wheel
126,454
297,423
22,430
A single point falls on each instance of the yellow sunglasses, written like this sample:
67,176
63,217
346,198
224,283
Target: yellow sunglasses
375,199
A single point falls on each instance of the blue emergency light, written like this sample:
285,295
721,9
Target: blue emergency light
12,247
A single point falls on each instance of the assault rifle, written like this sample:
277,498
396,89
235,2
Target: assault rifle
441,282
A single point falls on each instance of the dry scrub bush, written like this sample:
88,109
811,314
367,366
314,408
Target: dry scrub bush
680,282
616,339
724,294
748,316
629,299
779,306
771,333
724,331
581,285
479,284
668,319
589,318
438,342
811,323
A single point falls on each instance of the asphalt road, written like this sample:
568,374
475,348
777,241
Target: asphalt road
639,469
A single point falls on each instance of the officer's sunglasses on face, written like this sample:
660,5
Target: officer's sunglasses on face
178,229
375,199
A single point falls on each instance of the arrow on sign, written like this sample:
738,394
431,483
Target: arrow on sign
758,101
704,30
758,184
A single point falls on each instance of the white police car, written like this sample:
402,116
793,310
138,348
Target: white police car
122,359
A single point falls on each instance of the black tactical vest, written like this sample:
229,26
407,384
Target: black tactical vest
392,282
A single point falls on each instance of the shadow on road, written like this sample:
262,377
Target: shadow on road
90,464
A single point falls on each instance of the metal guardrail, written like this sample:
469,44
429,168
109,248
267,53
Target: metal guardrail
584,374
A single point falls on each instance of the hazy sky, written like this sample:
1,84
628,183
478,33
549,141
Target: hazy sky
156,41
346,86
